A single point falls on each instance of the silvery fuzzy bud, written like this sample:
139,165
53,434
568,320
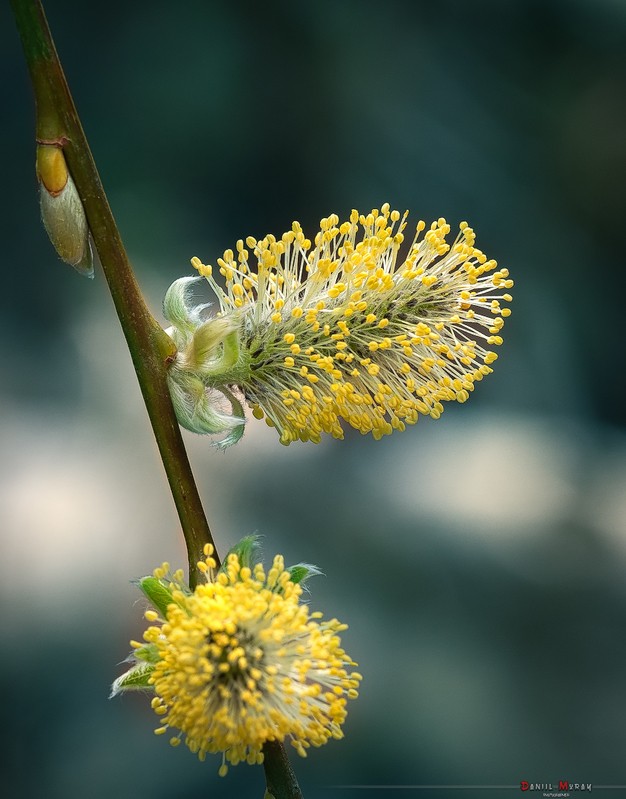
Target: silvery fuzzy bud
62,211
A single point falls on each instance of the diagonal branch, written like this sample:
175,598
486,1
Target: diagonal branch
150,347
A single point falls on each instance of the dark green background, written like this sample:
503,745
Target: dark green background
479,560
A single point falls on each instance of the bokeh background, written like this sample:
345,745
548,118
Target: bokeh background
480,560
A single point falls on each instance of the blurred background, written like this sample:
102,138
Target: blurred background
480,559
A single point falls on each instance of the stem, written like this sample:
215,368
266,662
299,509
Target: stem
150,347
279,776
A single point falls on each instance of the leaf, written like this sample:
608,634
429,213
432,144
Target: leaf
135,679
301,572
202,353
247,551
175,304
158,594
148,653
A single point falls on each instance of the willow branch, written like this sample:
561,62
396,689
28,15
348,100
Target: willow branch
150,347
279,776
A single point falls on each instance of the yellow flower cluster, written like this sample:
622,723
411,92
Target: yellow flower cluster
241,662
341,328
